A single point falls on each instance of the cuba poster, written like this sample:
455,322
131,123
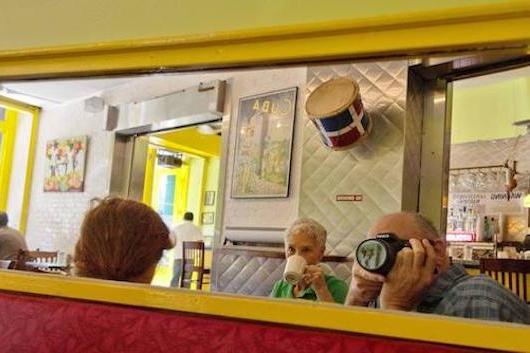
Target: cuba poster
264,139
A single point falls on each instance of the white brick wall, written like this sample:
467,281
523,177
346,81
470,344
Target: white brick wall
54,218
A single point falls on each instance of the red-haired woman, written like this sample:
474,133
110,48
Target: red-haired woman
121,240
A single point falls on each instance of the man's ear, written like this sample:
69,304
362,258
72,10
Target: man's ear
440,247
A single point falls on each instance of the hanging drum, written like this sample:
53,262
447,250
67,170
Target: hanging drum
336,109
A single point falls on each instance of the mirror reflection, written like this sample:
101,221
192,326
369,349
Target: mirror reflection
264,181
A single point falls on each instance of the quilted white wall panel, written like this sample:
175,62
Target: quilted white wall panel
373,168
251,275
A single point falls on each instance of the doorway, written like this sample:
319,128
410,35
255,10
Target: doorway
489,166
182,174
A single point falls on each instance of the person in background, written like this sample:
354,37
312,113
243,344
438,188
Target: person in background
307,238
11,241
423,279
186,231
121,240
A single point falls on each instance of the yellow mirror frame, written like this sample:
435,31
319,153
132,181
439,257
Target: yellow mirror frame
501,25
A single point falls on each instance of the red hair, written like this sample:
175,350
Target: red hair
120,240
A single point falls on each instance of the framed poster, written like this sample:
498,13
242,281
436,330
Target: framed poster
264,139
65,164
207,218
209,198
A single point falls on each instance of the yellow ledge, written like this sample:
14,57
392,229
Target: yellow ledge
498,336
469,28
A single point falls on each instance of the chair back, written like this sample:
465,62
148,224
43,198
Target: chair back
511,273
47,257
192,262
7,264
42,261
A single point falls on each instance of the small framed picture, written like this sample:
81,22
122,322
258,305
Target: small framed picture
209,198
207,218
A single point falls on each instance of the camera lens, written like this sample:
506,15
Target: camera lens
371,254
378,255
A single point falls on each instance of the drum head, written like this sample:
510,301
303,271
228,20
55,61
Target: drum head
331,97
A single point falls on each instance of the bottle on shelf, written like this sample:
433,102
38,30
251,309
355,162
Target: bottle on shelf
479,229
487,229
461,219
450,221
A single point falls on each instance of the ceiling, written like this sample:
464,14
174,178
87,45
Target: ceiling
49,93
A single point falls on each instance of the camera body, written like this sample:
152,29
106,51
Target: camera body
378,254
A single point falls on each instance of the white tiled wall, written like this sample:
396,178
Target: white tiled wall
54,218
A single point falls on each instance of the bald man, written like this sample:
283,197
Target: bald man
422,278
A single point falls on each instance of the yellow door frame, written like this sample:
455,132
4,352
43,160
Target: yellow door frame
193,152
8,128
13,108
147,197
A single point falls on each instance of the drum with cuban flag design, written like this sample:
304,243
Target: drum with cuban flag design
336,109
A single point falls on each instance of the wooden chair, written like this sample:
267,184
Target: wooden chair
41,261
48,257
509,272
192,262
7,264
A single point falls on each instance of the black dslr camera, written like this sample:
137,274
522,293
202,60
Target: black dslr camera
378,255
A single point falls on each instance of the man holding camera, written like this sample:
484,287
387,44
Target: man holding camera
421,278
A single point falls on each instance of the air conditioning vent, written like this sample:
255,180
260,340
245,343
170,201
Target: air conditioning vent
168,159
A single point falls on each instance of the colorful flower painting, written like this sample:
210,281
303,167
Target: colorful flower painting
65,164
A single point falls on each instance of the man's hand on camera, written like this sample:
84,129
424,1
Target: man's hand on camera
411,275
364,286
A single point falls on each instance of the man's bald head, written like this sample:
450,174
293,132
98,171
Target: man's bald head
405,225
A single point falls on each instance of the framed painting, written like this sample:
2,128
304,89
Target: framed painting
207,218
209,198
264,138
65,164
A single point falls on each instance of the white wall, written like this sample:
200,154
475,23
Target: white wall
54,218
277,212
18,169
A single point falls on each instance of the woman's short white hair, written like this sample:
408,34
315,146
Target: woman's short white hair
309,227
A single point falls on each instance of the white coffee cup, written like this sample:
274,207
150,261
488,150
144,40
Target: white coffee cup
294,269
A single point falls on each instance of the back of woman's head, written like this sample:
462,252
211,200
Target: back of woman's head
120,240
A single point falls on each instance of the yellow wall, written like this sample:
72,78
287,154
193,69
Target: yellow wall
487,112
211,184
59,22
207,145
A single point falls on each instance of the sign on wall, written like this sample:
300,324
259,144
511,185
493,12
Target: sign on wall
65,164
488,202
264,137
